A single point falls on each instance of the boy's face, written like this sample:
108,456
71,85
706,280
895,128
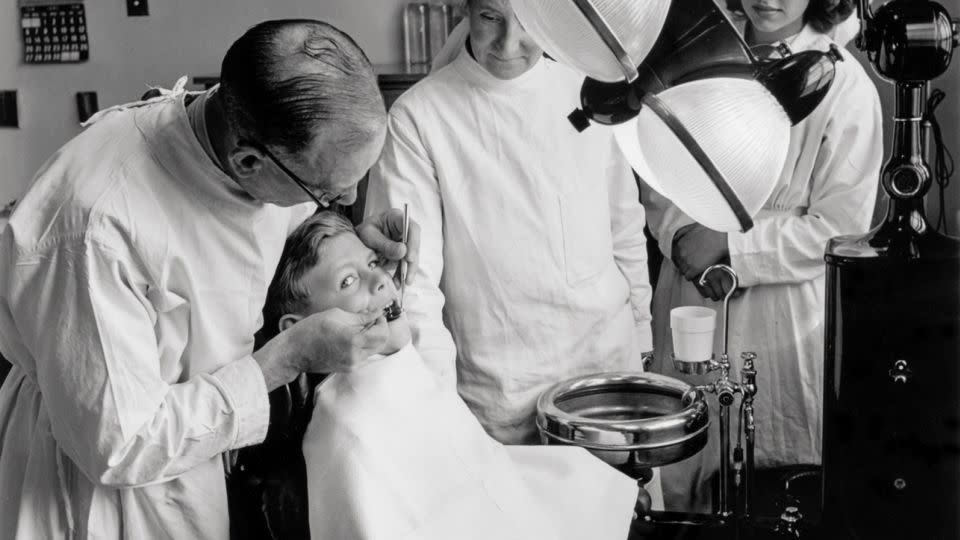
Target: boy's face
348,277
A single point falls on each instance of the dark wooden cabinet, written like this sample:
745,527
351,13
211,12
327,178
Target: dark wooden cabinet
395,79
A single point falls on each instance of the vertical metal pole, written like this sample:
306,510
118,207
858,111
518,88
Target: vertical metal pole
748,379
724,459
749,474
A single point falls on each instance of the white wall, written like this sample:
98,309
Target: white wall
179,37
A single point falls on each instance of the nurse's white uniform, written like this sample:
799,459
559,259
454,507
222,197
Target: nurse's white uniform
532,250
132,275
827,188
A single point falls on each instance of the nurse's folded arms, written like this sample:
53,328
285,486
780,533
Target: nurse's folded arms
132,276
393,452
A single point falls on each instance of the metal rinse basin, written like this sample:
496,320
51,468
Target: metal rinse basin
644,418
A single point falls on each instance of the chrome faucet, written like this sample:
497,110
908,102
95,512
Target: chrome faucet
726,391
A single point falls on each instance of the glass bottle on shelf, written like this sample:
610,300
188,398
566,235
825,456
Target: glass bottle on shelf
416,36
440,26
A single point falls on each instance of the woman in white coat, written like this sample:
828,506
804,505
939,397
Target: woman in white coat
532,233
827,188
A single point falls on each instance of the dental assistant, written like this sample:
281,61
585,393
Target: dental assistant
534,260
132,275
827,188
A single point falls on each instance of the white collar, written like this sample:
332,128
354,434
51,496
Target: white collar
173,142
477,75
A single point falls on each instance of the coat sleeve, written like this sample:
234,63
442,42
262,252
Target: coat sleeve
84,314
788,248
663,218
405,175
629,244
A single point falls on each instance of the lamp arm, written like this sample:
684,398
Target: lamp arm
609,37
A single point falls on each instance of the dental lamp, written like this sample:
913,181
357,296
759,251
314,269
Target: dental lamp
703,120
698,115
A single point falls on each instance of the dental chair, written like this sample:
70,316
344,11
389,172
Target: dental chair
267,485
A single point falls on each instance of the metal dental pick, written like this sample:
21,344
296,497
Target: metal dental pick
403,262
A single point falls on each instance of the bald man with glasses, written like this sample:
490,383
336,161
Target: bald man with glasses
133,273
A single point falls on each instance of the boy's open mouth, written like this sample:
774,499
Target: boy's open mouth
392,311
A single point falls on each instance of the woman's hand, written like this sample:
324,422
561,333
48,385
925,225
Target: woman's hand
696,248
717,284
383,234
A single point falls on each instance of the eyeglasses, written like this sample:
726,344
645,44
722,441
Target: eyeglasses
323,201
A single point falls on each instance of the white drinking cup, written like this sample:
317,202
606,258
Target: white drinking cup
692,328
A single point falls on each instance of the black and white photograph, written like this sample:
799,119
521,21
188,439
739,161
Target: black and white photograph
479,270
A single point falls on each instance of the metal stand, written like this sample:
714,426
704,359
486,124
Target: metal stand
890,471
726,391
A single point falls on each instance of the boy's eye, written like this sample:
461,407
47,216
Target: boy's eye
492,17
373,264
348,281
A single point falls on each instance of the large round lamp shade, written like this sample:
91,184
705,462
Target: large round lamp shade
741,128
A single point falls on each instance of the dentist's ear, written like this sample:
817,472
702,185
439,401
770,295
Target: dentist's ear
289,320
247,159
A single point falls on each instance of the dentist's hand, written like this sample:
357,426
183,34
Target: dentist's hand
327,342
383,234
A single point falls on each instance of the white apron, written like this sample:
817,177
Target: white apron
393,453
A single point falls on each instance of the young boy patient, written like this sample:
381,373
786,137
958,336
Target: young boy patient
392,453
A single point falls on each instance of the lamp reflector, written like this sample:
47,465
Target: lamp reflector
565,33
738,124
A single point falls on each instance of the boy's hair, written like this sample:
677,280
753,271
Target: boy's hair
302,251
822,15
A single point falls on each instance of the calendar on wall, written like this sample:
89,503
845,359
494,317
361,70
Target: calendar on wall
53,31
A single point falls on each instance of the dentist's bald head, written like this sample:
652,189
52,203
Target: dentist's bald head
286,82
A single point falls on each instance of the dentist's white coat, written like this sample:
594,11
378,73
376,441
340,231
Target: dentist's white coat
132,275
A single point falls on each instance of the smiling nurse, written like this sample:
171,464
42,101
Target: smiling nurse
535,229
